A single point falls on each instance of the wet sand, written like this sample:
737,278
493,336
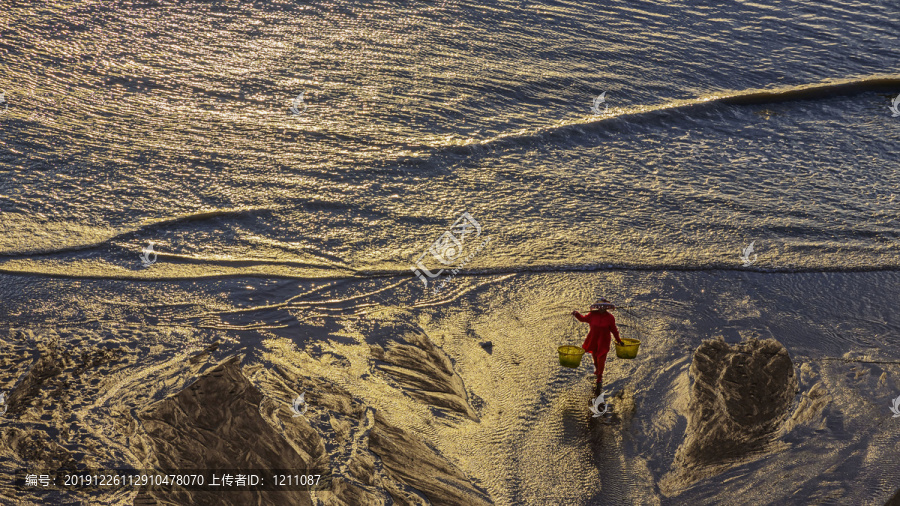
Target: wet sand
761,388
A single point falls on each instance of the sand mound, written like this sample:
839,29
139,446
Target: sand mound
740,395
223,422
216,424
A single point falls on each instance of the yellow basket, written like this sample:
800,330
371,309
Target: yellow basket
570,356
629,349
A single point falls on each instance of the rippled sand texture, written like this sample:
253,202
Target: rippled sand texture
465,402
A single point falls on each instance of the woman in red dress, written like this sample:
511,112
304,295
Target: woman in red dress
602,324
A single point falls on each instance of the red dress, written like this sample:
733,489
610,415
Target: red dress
602,325
597,343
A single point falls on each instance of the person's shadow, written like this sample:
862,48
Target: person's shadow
608,455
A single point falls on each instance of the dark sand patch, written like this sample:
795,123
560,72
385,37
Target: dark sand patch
895,500
740,396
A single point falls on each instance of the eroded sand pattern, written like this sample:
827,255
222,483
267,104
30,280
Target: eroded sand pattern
408,406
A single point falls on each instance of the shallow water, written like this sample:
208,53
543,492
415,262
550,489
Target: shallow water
129,122
273,233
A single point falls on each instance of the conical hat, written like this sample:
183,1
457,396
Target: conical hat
603,304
